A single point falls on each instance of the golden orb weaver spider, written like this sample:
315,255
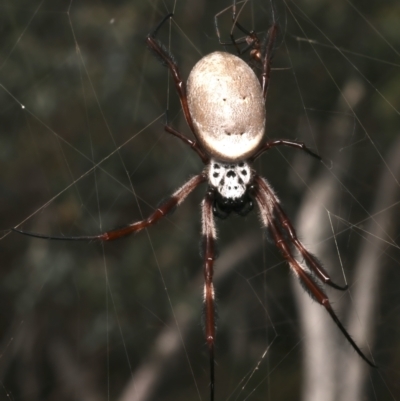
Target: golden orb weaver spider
224,106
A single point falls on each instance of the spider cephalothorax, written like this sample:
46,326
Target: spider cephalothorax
224,106
232,183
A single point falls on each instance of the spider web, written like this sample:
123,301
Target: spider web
82,105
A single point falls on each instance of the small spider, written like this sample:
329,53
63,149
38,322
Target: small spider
224,106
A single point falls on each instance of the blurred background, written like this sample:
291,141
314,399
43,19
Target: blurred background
83,150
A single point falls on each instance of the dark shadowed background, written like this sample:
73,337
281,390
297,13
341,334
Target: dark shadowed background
82,150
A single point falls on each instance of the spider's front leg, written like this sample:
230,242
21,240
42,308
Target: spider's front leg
167,206
289,232
309,259
283,234
209,234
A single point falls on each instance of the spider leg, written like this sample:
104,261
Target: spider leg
266,204
278,142
193,144
261,53
209,236
167,206
267,55
234,19
251,39
289,231
168,60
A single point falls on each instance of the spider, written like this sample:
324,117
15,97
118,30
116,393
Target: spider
224,105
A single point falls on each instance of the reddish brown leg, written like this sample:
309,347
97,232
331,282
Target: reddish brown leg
261,53
175,200
278,142
209,237
284,223
267,205
193,144
167,58
267,60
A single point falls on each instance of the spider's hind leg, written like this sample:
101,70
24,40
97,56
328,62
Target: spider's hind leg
265,57
260,51
168,60
250,40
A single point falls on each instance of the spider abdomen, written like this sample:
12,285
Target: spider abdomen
226,104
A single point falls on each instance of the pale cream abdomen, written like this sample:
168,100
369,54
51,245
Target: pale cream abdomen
227,106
